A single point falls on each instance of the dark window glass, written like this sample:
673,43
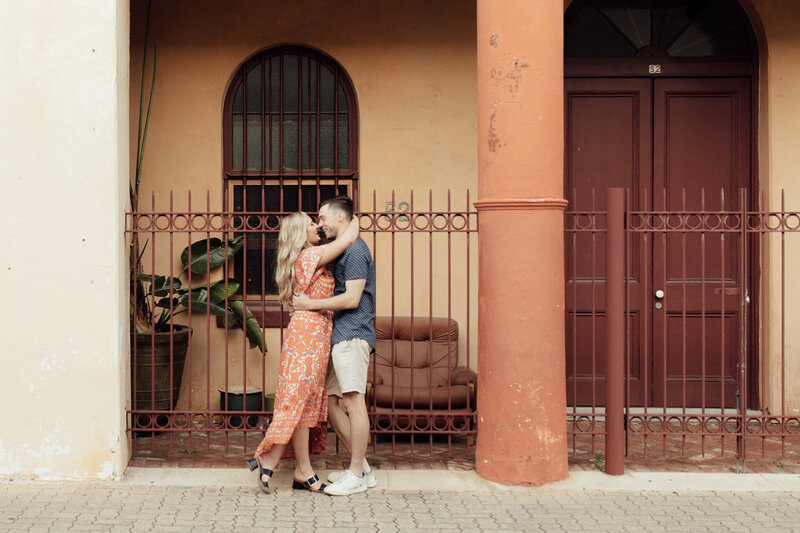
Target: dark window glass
263,247
593,35
290,145
624,28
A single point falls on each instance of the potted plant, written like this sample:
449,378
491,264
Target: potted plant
165,298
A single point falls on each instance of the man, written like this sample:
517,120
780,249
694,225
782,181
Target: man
353,304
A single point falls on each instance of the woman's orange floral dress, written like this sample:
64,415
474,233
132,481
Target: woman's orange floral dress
301,400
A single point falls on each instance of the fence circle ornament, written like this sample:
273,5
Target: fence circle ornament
755,426
229,421
180,222
792,426
441,423
162,421
439,222
180,421
421,422
754,221
217,222
693,424
731,221
421,222
675,425
402,221
272,222
143,222
635,424
791,222
254,222
654,424
773,222
674,222
383,222
163,222
199,222
402,423
584,221
772,426
732,424
459,423
635,221
583,424
713,221
711,425
202,421
693,221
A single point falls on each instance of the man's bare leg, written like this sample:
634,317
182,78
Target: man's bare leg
340,421
359,431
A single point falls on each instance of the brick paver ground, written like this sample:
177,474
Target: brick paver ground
114,507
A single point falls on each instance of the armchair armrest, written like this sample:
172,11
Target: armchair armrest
378,378
462,375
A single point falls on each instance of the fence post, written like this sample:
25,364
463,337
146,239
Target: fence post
615,324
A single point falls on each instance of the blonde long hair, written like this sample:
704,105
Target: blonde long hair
292,239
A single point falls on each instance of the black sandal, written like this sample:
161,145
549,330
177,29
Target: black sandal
252,464
307,484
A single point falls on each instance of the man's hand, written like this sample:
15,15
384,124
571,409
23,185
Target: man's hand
301,302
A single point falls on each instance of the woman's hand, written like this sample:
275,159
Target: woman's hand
352,230
301,302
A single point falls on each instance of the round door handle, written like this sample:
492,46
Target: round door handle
659,294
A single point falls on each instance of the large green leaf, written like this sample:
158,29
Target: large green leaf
208,254
165,303
252,327
159,285
198,300
216,291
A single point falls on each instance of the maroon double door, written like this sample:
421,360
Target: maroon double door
666,140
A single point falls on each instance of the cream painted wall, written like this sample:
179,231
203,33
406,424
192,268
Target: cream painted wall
413,66
64,164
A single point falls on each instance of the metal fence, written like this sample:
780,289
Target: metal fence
197,269
679,339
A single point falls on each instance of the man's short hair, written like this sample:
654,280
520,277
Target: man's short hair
340,203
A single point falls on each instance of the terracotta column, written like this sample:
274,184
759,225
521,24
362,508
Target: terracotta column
521,375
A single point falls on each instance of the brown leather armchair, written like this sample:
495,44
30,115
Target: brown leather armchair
418,367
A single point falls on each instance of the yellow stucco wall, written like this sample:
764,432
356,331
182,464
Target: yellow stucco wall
64,160
777,26
412,65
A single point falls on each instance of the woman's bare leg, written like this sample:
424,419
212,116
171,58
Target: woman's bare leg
270,459
303,469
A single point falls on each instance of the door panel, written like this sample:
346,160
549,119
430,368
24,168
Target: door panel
678,145
608,144
701,140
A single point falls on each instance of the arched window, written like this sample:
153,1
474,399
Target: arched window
290,141
647,28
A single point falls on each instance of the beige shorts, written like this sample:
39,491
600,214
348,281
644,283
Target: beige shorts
348,369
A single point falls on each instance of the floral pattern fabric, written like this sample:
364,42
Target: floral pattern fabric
301,400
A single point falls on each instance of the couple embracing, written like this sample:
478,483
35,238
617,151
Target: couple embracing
331,288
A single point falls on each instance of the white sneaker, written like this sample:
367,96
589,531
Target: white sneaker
372,481
347,484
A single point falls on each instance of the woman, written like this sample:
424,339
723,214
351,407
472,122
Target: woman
301,403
